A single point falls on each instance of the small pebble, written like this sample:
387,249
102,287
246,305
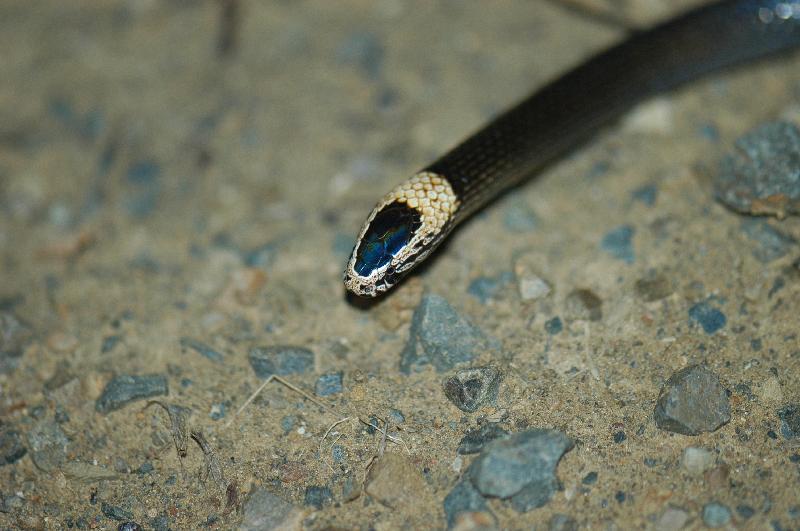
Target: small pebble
394,481
619,243
486,288
653,287
441,337
716,515
762,175
789,416
109,342
364,50
129,526
692,401
584,304
672,519
264,510
532,288
48,445
281,360
646,194
474,440
771,243
553,326
11,447
329,384
396,416
519,217
114,512
317,496
14,338
709,318
520,467
696,460
217,411
619,437
470,389
11,503
463,498
590,478
202,349
745,511
124,389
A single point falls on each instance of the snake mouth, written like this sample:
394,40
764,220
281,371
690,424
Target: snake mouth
382,248
399,233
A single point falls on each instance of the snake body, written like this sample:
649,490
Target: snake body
409,222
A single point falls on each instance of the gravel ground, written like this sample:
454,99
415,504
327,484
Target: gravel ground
180,185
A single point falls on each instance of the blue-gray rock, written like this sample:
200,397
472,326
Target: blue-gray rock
762,176
115,512
11,447
771,243
264,511
474,440
692,401
486,288
464,498
554,326
584,304
519,217
470,389
317,496
202,349
363,49
619,243
708,317
329,384
647,194
441,337
14,337
790,420
48,445
281,360
124,389
129,526
521,467
716,515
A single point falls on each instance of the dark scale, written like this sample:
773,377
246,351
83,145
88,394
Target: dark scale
390,231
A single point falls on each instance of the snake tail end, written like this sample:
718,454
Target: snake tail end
400,232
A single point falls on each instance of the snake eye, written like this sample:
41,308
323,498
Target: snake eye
390,231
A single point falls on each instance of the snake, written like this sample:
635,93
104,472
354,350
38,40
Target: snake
415,217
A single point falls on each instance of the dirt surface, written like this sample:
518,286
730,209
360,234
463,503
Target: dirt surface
181,181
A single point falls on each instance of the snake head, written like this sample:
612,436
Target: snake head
400,232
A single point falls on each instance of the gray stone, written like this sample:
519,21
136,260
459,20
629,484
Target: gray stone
441,337
716,515
771,243
463,498
470,389
521,467
281,360
691,402
264,511
762,176
11,447
696,460
124,389
584,304
202,349
14,337
474,440
48,445
672,519
790,420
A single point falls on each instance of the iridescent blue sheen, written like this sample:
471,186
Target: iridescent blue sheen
390,231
